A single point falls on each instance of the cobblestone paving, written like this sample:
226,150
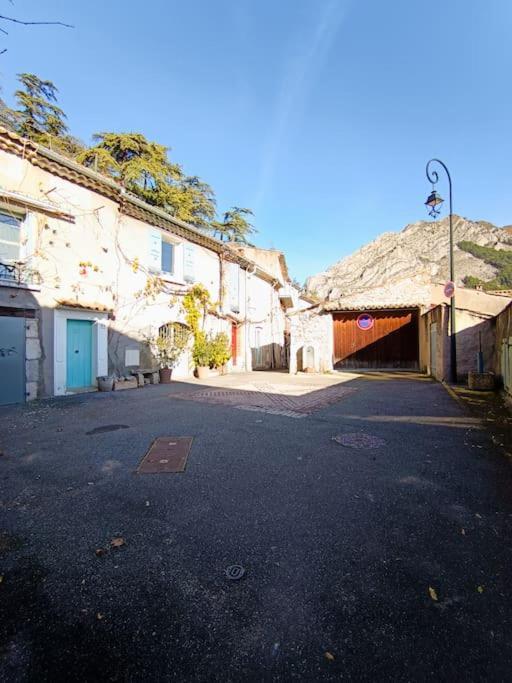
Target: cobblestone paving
275,399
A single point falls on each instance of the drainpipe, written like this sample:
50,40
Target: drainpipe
246,321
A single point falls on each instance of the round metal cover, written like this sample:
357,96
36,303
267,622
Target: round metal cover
359,440
234,572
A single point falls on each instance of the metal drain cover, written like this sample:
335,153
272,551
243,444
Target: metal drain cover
234,572
359,440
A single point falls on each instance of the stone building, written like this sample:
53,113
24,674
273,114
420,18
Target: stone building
89,272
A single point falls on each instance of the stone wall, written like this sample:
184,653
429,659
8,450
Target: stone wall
32,358
308,329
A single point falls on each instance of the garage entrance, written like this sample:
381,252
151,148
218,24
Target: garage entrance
376,339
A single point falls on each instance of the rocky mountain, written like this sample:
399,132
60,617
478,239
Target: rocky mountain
419,252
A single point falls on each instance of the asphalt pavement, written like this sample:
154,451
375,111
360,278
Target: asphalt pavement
375,534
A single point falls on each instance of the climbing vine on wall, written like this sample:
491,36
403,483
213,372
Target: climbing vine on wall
196,303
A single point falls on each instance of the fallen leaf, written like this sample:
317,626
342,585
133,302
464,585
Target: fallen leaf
117,542
100,616
432,593
480,589
100,551
328,655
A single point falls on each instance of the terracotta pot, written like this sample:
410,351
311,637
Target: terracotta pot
165,375
203,372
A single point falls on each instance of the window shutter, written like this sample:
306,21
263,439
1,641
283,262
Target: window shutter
188,263
155,251
234,295
29,231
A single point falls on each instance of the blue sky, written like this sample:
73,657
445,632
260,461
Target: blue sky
318,114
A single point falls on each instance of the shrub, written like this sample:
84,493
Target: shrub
220,351
201,351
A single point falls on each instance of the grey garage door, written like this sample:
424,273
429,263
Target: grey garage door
12,360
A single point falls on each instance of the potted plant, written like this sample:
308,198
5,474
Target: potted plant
167,352
105,383
220,351
201,355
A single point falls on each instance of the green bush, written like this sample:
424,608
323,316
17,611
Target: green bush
201,351
220,351
211,351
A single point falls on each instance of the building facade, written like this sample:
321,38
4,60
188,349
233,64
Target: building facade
89,273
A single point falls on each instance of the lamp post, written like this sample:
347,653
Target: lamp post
433,201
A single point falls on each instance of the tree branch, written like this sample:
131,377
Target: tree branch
35,23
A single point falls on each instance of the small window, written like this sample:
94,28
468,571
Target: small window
167,264
175,333
9,238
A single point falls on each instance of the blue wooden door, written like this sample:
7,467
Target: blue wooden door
12,360
79,354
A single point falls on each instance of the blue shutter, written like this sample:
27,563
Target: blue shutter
234,294
155,251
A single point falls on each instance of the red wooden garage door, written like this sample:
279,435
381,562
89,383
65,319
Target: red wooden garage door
392,342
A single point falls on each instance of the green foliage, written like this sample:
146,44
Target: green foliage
143,167
211,351
220,351
168,351
201,351
195,303
38,117
235,226
501,259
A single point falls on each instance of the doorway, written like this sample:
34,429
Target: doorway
79,354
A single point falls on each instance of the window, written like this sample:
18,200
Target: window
175,333
9,238
167,260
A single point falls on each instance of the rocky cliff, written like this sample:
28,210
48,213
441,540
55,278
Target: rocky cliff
419,252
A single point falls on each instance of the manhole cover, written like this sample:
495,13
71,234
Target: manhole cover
107,428
359,440
167,454
234,572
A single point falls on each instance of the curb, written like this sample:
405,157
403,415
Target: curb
455,397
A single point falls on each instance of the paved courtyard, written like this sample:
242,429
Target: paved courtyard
375,533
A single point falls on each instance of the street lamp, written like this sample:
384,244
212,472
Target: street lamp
434,200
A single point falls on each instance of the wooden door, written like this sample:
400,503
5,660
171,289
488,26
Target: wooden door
79,354
392,341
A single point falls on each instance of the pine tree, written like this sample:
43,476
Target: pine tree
38,117
234,227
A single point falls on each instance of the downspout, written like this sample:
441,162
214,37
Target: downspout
246,321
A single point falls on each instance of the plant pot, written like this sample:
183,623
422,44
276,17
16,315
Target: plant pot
203,372
165,375
105,383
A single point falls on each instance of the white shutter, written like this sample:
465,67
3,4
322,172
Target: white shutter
28,236
234,290
155,251
188,263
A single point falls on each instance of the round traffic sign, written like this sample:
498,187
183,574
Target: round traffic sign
365,321
449,289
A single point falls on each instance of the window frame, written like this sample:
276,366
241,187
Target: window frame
172,245
20,219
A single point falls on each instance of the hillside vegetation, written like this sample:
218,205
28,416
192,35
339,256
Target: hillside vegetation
499,258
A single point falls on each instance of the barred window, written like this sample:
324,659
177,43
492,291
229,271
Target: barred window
174,333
